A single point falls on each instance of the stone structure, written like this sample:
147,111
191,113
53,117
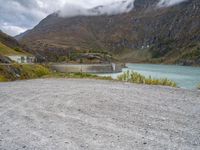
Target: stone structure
23,59
87,68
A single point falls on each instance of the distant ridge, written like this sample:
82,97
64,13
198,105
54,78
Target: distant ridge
21,35
8,40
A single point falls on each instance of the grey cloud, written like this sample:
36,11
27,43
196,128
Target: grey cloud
19,15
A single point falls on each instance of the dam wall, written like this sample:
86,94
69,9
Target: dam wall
87,68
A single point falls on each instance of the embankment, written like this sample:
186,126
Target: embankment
11,72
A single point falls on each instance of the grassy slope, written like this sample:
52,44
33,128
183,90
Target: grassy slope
133,56
189,55
198,87
32,71
13,72
5,51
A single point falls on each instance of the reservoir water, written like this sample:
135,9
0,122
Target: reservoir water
186,77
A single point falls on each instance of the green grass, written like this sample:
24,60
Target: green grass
198,86
32,71
76,75
26,71
135,77
3,79
19,72
5,51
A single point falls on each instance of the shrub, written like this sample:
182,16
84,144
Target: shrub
23,71
78,75
41,71
198,87
18,49
135,77
3,79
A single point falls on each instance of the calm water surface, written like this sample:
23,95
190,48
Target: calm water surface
185,77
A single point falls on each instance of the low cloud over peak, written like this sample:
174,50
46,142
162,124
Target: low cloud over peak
70,10
168,3
16,16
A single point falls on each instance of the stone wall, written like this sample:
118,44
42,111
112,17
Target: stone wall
87,68
22,59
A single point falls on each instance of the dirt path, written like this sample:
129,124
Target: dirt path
61,114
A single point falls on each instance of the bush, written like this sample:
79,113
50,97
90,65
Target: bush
198,87
3,79
78,75
18,49
135,77
26,71
22,71
41,71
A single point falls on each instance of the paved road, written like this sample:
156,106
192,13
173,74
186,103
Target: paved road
69,114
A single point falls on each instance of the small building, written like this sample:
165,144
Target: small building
26,59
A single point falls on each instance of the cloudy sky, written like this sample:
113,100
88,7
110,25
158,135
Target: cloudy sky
16,16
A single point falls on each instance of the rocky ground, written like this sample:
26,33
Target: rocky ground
61,114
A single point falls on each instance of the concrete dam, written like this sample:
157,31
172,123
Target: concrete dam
87,68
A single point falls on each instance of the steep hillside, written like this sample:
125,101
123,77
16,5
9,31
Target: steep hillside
147,33
9,46
8,40
5,50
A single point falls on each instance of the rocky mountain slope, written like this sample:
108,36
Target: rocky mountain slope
146,33
8,40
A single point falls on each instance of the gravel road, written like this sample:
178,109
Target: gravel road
75,114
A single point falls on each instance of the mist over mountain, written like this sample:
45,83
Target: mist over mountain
31,12
168,3
113,8
70,10
165,31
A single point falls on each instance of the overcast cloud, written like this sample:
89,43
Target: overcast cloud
16,16
69,10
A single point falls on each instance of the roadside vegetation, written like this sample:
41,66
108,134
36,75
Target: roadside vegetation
5,50
3,79
76,75
198,86
135,77
15,71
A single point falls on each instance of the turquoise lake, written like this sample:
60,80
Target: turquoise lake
186,77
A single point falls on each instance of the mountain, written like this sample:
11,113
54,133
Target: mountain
21,35
147,33
8,40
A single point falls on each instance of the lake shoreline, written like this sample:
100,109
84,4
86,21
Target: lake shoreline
185,76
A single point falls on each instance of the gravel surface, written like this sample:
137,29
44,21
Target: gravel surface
75,114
